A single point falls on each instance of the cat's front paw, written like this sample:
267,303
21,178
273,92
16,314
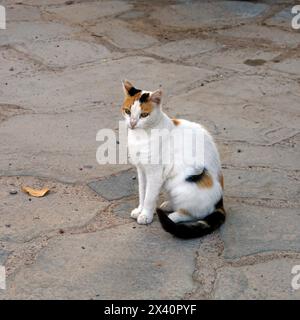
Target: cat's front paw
145,218
135,213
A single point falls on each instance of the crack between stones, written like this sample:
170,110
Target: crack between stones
26,252
206,280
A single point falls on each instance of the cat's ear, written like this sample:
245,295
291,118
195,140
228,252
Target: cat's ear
156,96
129,89
126,86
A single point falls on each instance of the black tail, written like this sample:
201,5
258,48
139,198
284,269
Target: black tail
193,229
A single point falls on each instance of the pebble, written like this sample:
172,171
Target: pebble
13,192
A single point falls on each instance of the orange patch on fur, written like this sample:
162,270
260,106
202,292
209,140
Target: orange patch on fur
147,106
184,212
176,122
206,181
129,101
222,210
220,207
221,180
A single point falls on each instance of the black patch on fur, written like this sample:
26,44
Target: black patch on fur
144,97
196,177
193,229
220,204
133,91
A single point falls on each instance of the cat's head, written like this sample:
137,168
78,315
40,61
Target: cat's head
141,109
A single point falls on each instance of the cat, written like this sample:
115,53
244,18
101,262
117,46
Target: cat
195,204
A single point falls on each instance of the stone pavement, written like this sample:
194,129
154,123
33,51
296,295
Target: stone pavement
234,66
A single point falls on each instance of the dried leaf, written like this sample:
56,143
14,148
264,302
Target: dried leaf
35,192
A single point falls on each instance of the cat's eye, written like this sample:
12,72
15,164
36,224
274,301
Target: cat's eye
144,114
127,111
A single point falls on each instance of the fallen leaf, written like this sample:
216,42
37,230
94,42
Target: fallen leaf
158,264
35,192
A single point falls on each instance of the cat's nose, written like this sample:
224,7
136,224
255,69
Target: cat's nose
132,123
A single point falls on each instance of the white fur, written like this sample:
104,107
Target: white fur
183,195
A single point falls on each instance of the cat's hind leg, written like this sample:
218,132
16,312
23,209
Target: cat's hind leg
180,216
166,206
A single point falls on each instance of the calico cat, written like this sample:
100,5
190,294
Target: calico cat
195,192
